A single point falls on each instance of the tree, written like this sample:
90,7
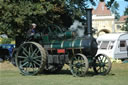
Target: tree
126,11
115,9
125,27
17,15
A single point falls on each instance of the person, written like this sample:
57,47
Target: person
31,31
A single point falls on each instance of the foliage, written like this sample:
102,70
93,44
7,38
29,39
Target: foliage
16,16
6,41
126,11
125,27
115,9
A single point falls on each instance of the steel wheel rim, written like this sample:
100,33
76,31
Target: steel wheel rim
79,65
102,64
29,59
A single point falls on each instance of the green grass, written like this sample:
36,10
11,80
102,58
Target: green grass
118,76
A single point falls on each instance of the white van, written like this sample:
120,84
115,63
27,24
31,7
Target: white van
114,45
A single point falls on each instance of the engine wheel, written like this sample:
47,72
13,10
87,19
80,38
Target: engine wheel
102,64
79,65
30,58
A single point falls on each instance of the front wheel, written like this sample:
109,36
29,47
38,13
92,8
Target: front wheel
102,64
79,65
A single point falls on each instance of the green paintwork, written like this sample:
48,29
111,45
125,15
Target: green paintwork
56,44
66,44
68,34
64,41
77,43
45,39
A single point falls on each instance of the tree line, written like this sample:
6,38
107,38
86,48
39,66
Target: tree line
16,16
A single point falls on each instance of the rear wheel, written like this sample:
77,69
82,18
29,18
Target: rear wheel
30,58
79,65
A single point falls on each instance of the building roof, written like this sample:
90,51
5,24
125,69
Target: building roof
101,10
123,18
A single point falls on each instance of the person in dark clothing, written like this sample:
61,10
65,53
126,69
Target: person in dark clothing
31,31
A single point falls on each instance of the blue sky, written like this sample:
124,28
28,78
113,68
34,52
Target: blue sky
122,5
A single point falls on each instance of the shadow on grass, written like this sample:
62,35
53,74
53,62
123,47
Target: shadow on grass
67,72
62,72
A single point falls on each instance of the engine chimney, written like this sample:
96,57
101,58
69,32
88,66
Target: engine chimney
89,21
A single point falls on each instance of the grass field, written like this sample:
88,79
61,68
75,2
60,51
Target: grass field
10,75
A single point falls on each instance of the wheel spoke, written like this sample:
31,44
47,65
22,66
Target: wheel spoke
37,53
106,63
33,67
105,60
27,67
21,57
25,54
98,68
78,72
104,69
78,59
38,60
25,50
30,65
36,63
24,64
25,60
36,57
99,61
29,51
75,70
102,58
83,64
75,58
34,52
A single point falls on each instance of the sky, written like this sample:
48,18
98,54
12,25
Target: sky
122,5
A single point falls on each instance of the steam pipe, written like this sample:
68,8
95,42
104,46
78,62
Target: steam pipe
89,21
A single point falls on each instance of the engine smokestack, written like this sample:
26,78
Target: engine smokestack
89,21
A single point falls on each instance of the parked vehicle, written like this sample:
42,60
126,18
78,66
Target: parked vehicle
114,45
6,51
